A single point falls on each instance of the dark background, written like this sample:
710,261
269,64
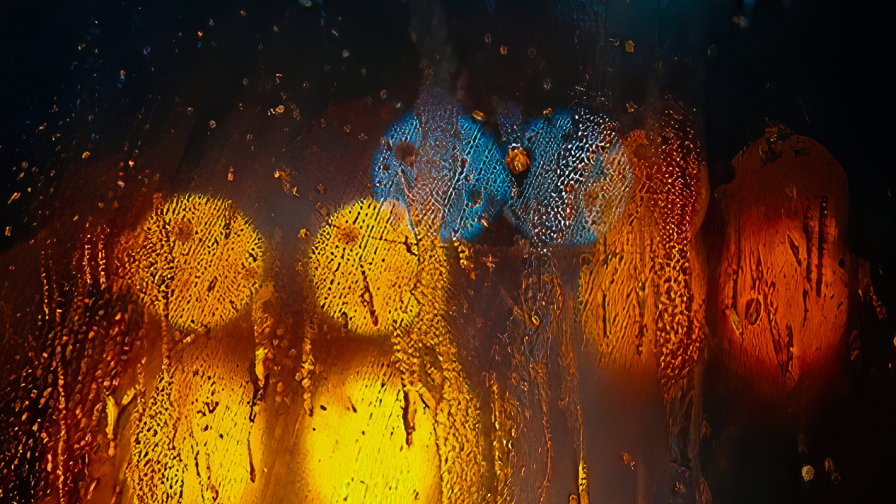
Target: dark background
81,77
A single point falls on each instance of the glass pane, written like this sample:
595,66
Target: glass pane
433,251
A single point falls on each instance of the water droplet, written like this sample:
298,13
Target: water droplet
808,473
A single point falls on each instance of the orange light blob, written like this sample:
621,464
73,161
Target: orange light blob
517,159
641,297
364,265
196,260
782,279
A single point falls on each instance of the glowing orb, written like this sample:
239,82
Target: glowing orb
783,285
567,153
642,295
364,265
353,449
196,260
444,166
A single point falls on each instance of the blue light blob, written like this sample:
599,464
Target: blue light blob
566,151
443,166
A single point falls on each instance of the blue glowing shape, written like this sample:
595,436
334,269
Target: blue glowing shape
567,152
443,166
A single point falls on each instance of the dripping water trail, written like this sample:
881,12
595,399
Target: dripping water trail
822,226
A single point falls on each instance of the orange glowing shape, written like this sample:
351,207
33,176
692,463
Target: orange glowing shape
196,260
517,160
642,295
190,442
783,274
363,263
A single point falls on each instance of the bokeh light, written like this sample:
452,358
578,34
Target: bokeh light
364,264
196,260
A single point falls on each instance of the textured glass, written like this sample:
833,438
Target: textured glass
433,251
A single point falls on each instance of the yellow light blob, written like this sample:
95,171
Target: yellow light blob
364,267
431,373
217,418
374,274
155,472
353,448
196,260
190,442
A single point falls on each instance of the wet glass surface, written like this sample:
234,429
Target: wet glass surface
423,251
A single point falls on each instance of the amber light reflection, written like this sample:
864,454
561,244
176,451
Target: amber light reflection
783,284
196,260
371,272
353,447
